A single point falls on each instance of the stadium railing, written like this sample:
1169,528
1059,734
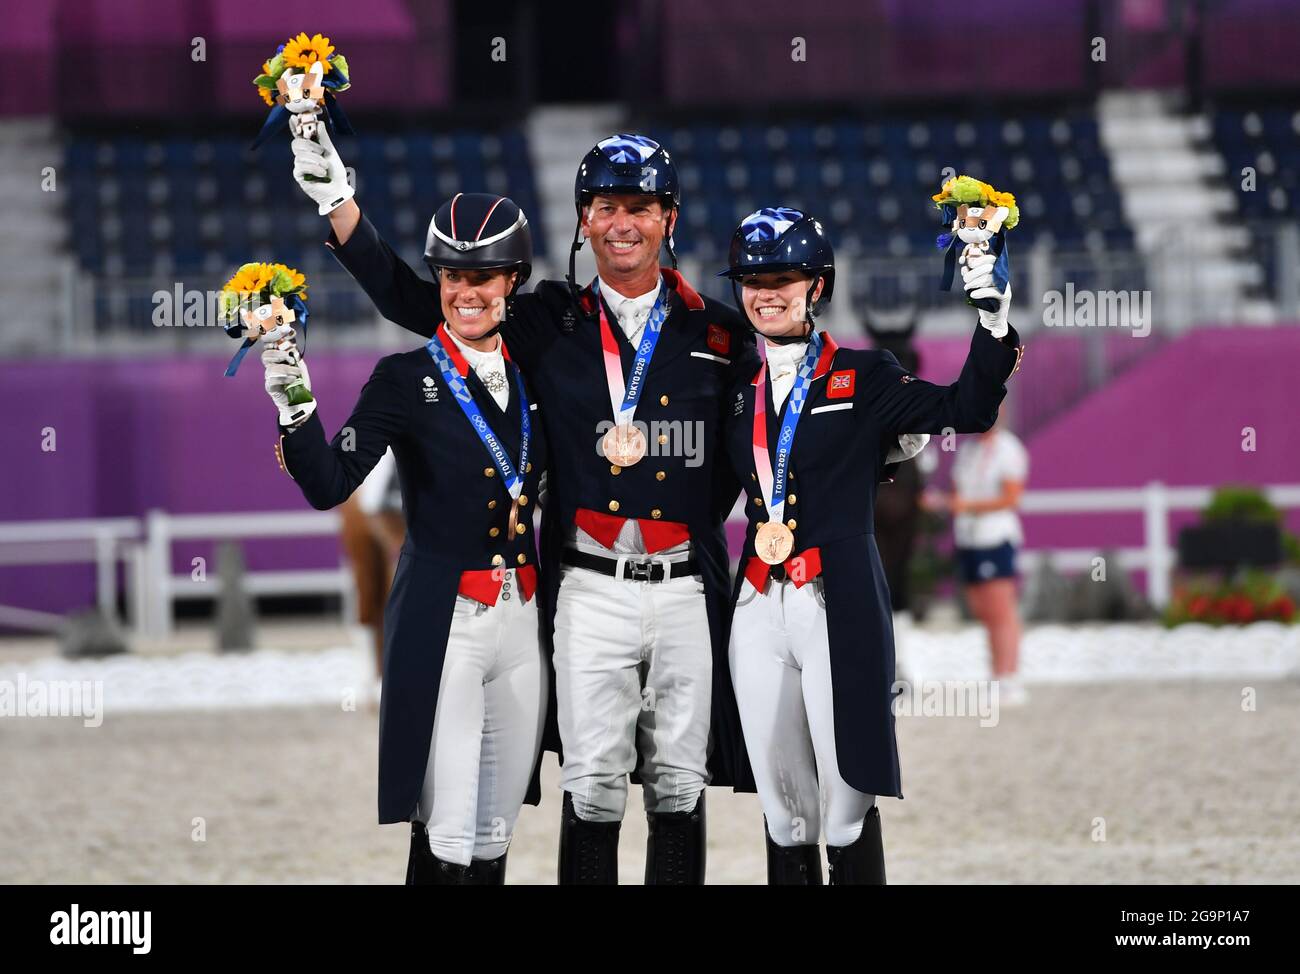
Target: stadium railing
152,589
106,312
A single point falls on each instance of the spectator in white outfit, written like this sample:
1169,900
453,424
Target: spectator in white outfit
988,477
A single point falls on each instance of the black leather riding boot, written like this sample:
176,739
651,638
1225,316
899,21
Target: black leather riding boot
423,868
863,863
798,865
588,850
487,872
675,847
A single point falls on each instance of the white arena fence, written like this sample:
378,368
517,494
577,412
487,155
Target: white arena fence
144,547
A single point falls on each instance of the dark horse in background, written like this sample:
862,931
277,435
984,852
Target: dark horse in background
898,503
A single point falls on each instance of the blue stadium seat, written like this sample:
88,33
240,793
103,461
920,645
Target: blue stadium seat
870,181
204,204
1266,139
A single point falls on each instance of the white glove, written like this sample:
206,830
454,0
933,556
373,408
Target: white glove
977,278
284,366
909,445
317,157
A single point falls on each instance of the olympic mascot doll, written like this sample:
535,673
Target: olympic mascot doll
979,217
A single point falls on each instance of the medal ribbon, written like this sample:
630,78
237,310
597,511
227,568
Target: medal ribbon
623,399
513,478
772,482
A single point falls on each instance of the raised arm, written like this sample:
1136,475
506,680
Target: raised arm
344,220
906,404
398,292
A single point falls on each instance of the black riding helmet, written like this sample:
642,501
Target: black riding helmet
623,165
781,238
480,232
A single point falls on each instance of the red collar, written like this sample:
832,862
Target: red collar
688,294
829,348
672,278
454,353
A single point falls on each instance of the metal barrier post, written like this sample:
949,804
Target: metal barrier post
1155,521
158,560
106,574
137,586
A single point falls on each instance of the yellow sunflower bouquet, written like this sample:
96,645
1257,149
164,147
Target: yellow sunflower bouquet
303,78
258,299
977,216
968,191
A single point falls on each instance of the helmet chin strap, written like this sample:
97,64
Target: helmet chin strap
668,240
572,276
791,339
510,303
510,309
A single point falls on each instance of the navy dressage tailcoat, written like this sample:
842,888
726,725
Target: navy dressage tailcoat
858,404
702,351
457,509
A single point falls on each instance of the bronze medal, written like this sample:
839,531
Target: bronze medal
624,445
513,522
773,542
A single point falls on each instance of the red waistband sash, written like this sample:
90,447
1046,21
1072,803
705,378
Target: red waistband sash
800,568
657,535
484,585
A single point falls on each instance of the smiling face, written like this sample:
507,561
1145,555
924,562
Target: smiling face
474,302
776,302
626,233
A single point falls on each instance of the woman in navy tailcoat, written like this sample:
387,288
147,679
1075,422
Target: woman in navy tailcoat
465,680
811,646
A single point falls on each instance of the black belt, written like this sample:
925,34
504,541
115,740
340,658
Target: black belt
634,570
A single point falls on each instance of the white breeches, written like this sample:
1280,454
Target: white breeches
633,672
781,671
487,729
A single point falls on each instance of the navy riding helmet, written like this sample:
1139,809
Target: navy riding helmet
481,231
781,238
624,165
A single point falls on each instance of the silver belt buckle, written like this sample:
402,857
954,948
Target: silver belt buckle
640,570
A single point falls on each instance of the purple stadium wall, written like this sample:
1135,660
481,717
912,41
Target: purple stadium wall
172,433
